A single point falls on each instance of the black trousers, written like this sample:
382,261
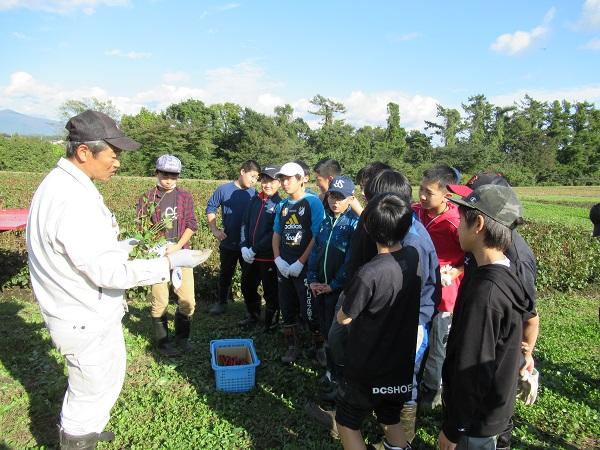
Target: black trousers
229,261
258,272
295,300
325,307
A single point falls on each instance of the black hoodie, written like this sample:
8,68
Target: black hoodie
483,353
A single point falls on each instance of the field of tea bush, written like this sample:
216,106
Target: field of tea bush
173,404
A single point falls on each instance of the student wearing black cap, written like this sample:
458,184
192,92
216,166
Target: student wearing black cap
257,251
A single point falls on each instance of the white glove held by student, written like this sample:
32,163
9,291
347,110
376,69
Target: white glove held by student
295,269
188,258
248,255
282,266
446,279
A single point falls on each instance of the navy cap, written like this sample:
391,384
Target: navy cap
342,185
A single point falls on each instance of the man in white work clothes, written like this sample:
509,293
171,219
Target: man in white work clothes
79,271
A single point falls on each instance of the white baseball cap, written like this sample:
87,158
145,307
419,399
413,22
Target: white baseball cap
290,169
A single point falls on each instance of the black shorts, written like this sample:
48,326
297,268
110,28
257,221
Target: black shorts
355,402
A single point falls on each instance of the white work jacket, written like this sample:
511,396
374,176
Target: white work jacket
78,271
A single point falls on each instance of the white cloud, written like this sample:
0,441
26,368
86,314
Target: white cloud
60,6
403,37
228,6
129,55
593,44
245,84
590,93
175,77
20,36
519,41
590,16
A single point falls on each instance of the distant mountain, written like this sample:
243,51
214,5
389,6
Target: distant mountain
12,122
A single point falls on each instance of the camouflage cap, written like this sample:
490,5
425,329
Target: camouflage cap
499,203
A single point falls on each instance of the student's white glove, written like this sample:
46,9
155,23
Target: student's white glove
188,258
282,266
128,244
248,254
295,269
527,389
445,279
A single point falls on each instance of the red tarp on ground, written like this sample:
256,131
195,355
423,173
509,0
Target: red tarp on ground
13,219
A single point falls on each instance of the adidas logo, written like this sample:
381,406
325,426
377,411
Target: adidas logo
293,220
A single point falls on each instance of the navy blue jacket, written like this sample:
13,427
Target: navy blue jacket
257,226
327,262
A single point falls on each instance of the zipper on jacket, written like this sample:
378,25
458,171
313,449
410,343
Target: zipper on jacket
327,247
263,206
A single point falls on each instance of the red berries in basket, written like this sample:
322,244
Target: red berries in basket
224,360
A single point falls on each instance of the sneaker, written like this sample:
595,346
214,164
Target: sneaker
323,417
217,308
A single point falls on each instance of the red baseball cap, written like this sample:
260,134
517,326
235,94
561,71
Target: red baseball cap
480,179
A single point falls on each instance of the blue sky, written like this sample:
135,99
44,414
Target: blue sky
264,53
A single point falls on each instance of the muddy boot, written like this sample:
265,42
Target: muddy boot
408,419
161,337
291,338
271,320
83,442
182,332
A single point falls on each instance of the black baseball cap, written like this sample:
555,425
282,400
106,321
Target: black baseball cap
499,203
96,126
270,171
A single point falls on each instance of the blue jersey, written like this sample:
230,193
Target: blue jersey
233,202
297,222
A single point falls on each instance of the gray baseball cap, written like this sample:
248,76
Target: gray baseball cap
499,203
168,163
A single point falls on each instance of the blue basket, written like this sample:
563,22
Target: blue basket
234,378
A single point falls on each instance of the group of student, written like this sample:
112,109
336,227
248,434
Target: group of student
406,306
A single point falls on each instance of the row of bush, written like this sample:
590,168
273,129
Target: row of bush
568,259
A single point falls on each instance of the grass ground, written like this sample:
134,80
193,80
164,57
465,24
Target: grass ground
173,404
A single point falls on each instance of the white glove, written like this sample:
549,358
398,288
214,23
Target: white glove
446,279
295,269
284,267
248,255
188,258
527,389
128,244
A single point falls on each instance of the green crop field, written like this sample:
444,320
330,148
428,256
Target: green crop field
173,403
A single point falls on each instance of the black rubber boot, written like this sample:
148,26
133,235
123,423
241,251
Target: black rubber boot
182,331
83,442
292,340
271,320
161,337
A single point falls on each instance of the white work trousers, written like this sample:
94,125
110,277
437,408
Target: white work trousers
96,365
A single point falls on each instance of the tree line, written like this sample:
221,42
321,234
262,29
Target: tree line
531,142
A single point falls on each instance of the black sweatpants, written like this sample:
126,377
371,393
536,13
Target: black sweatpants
295,300
258,272
229,260
325,307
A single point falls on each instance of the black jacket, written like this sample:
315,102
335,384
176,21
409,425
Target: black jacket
257,226
483,353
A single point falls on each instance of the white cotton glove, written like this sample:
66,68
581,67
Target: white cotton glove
188,258
445,279
128,244
284,267
527,389
248,255
295,269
